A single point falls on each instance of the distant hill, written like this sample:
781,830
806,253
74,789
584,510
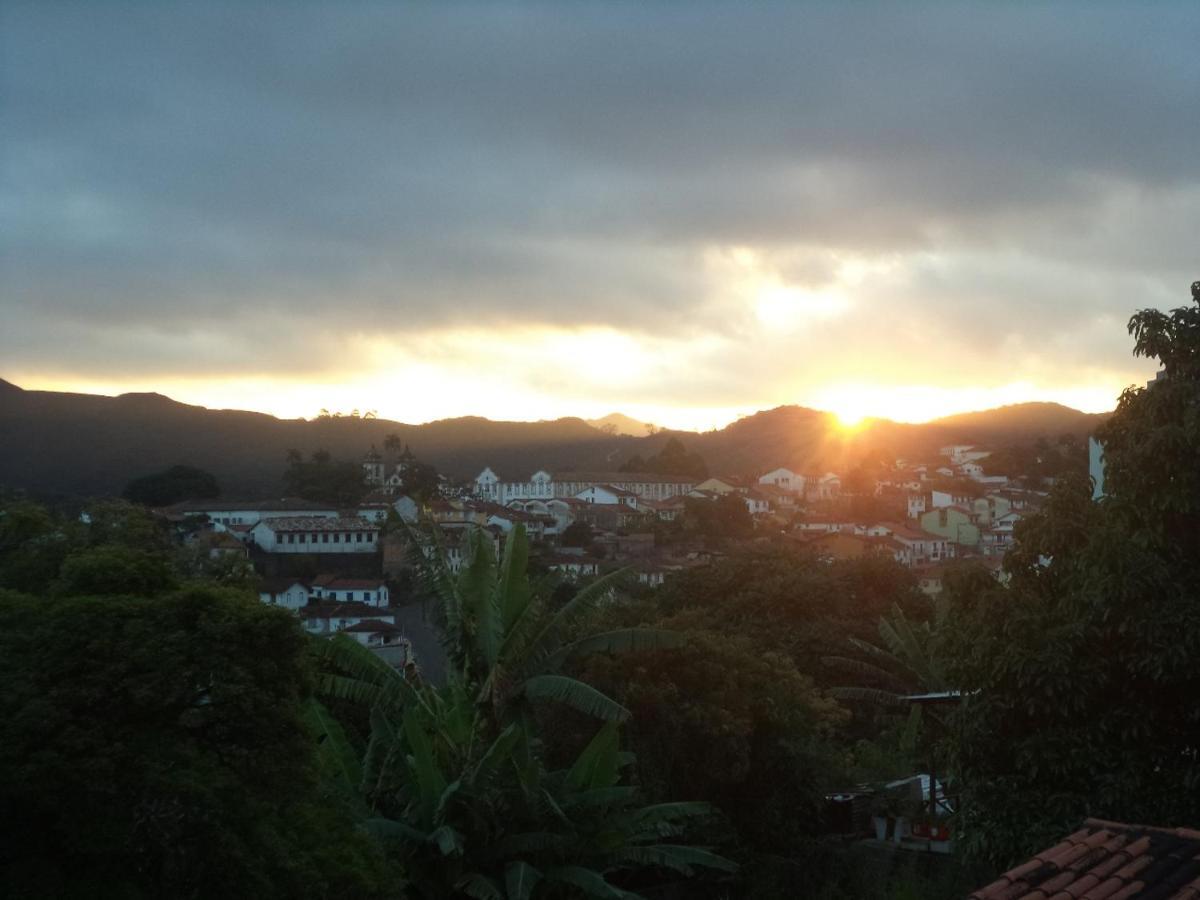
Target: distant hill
83,444
619,423
1022,420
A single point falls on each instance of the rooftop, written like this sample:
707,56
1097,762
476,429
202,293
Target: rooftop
311,523
1108,860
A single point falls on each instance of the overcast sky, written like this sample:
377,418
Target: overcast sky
683,211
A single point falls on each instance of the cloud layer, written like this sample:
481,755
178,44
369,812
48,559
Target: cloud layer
727,206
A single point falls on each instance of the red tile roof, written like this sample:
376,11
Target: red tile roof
1107,861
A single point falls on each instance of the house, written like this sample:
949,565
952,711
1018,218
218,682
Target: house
572,566
376,633
757,503
826,487
916,504
543,485
406,508
938,499
248,512
726,484
289,593
782,500
609,495
667,510
371,591
784,480
329,617
952,522
224,543
917,548
309,534
1108,859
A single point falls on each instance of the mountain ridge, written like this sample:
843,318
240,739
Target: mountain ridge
123,437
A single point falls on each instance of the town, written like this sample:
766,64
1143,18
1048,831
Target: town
333,566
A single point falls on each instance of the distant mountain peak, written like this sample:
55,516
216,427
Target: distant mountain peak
622,424
9,387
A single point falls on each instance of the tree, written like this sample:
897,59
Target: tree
577,534
672,459
725,517
454,773
1082,677
155,747
115,569
324,479
171,486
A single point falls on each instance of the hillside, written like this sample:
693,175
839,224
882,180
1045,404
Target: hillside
82,444
619,423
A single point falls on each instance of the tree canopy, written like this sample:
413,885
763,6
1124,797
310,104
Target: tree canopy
172,486
1082,678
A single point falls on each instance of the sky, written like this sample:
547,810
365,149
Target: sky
682,211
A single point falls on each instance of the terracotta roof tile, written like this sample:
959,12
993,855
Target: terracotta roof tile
1107,861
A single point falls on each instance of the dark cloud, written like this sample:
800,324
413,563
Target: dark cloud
196,171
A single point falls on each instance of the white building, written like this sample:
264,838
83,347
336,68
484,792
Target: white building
309,534
542,485
250,512
329,617
784,479
916,505
371,591
290,593
608,495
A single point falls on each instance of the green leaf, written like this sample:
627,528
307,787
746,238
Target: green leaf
596,765
335,756
520,878
576,694
447,840
624,640
592,883
479,886
677,857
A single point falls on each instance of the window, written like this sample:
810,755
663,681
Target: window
358,537
279,539
370,537
367,596
325,538
303,538
349,596
337,538
292,538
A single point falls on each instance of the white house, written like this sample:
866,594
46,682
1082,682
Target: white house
826,487
757,503
784,479
250,512
972,470
326,617
542,485
574,566
377,633
608,495
309,534
290,593
920,547
371,591
916,505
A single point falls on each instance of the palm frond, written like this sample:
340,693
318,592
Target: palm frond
591,882
520,878
473,884
576,694
337,759
582,604
596,766
865,670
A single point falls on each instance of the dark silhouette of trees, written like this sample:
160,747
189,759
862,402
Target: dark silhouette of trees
172,486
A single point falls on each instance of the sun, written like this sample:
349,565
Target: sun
849,419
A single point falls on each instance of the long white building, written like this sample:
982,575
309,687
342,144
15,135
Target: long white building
544,485
309,534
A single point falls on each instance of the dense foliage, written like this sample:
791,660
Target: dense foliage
323,479
171,486
455,776
673,459
1082,678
